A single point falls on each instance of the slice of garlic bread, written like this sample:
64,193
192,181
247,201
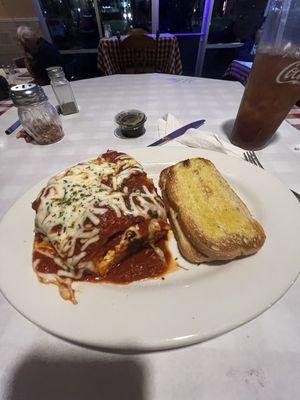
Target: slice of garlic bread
185,247
211,216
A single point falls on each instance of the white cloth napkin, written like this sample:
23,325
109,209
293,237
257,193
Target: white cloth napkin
196,137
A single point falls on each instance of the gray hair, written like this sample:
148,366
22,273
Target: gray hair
24,32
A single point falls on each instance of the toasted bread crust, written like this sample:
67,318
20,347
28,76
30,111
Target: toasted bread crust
184,245
211,216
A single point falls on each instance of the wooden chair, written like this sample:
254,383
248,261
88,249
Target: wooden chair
139,53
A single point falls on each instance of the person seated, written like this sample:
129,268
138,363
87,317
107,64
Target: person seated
248,51
4,89
39,54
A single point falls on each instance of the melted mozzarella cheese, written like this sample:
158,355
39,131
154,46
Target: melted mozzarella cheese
73,201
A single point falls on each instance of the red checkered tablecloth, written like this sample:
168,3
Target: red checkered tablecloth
5,105
293,117
238,71
169,61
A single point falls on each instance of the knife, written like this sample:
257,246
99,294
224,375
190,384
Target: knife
13,127
178,132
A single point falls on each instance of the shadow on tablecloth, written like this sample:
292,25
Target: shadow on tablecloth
227,128
66,379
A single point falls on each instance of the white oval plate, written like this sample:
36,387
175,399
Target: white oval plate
189,306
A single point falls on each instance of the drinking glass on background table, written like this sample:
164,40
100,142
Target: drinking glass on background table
10,73
6,69
274,82
62,90
107,31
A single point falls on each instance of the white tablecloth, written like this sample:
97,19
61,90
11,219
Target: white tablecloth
260,360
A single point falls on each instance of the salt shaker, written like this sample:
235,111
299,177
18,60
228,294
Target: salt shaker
62,90
38,117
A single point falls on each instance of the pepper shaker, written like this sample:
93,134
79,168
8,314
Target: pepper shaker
38,117
62,90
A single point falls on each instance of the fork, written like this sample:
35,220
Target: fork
251,157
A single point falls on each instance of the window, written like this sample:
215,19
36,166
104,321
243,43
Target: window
234,20
125,15
72,23
232,34
180,16
141,11
221,27
215,29
118,14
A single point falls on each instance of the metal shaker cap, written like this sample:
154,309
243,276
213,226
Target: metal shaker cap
55,72
27,94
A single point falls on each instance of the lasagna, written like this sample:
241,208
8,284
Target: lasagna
95,216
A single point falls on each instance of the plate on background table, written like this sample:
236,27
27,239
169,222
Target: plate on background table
190,305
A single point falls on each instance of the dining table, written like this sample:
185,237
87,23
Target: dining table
258,360
5,105
16,76
109,58
239,70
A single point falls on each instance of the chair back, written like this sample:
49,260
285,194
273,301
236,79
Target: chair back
137,31
139,52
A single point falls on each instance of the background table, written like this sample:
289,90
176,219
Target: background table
20,76
293,117
239,71
168,57
5,105
259,360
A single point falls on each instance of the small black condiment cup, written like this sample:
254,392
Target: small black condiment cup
131,123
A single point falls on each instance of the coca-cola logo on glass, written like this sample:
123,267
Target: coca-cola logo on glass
290,74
